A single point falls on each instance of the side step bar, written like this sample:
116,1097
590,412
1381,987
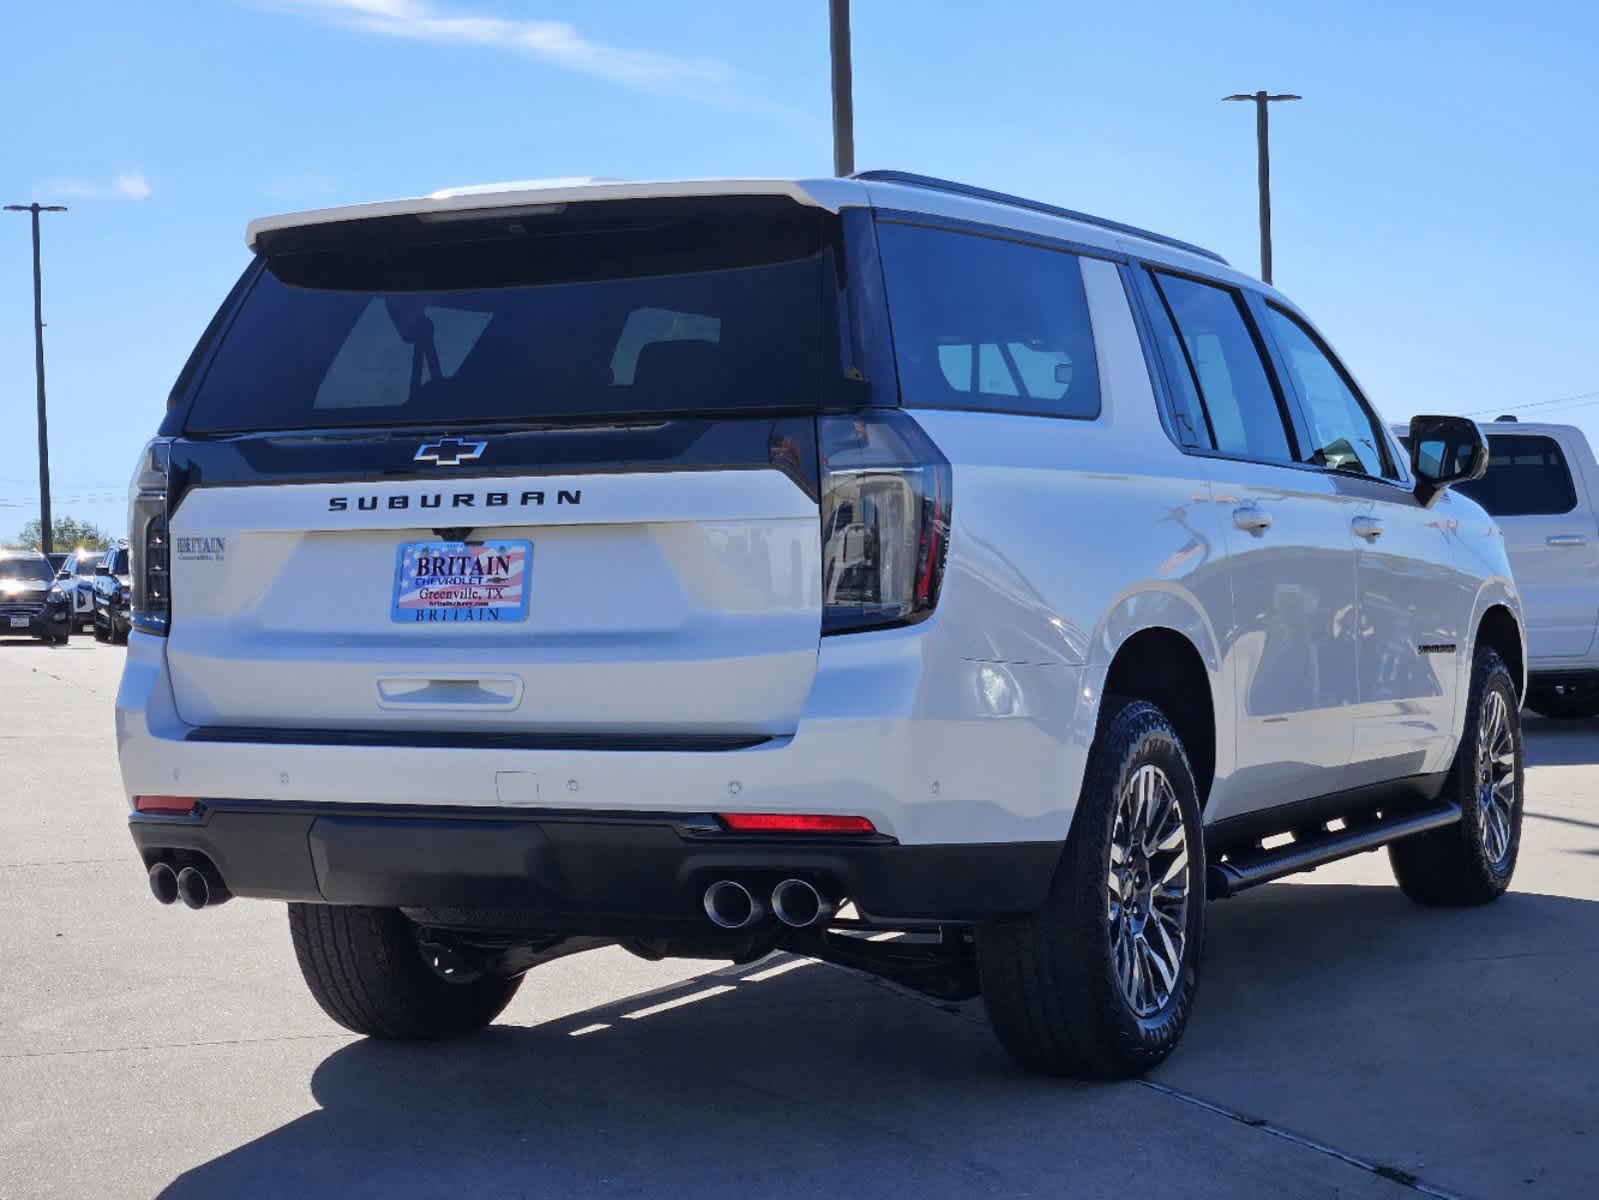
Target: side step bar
1251,868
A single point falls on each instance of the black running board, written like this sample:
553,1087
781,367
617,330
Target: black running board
1251,868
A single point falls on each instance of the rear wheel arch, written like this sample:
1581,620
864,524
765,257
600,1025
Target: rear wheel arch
1165,668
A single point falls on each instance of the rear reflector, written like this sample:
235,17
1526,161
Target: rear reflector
794,823
169,805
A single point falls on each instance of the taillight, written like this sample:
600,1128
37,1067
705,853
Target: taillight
795,823
885,520
170,806
148,564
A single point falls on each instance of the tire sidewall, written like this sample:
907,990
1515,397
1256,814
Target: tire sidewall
1491,676
1135,736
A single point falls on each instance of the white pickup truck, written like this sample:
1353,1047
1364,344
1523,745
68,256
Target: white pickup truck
1542,487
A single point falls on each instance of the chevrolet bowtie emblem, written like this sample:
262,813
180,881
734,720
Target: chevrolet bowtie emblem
448,452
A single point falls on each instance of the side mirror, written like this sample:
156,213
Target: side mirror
100,569
1445,451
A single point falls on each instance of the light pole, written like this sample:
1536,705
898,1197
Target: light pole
46,542
1263,141
843,90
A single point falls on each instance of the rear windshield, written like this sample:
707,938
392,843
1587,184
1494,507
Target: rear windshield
1527,476
656,308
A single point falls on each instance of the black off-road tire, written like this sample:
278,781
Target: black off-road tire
1569,706
365,970
1049,982
100,634
1452,866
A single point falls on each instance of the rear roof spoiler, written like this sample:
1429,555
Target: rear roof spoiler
489,199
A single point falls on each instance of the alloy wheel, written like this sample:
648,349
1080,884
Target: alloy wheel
1149,886
1496,778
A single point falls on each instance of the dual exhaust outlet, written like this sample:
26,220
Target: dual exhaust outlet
794,902
197,887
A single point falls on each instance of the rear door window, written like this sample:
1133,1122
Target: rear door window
1527,476
986,323
627,308
1214,366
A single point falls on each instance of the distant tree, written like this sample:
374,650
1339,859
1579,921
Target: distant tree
69,534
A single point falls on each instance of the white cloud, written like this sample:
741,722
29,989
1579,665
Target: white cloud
555,42
130,185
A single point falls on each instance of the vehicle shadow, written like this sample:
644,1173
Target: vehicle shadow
1343,1012
1549,743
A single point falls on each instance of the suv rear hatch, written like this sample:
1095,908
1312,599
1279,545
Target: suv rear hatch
542,472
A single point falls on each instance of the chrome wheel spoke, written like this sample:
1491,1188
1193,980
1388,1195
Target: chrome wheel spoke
1496,778
1147,887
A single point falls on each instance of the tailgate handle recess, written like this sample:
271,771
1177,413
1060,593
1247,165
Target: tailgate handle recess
491,693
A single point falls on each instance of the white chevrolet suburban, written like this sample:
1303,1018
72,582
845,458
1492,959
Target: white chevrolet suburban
1542,487
718,568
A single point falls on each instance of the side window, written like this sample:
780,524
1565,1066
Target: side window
1527,476
1211,353
984,323
1346,435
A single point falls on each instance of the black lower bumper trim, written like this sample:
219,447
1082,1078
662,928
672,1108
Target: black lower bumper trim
580,873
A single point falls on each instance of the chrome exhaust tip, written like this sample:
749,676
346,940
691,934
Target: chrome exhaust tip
731,906
797,904
164,883
193,888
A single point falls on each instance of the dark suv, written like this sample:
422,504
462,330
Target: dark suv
112,594
28,605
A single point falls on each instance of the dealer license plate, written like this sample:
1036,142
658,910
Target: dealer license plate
451,582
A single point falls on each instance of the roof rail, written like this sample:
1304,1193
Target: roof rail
965,189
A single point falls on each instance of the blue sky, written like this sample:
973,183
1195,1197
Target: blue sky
1434,193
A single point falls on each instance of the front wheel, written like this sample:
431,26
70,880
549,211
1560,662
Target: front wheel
1099,983
365,969
1471,862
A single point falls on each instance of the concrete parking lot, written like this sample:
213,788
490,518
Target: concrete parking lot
1345,1042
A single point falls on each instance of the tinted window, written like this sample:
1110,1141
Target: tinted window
1527,475
703,307
1218,362
1345,434
980,322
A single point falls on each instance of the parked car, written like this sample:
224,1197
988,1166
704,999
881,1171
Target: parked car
674,564
75,577
113,592
1542,487
28,605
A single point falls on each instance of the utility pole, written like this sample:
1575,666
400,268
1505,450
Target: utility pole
1263,144
843,90
46,542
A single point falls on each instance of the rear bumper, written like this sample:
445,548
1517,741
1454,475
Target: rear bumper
933,752
577,872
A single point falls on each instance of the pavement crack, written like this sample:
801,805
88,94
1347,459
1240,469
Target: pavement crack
243,1041
1386,1171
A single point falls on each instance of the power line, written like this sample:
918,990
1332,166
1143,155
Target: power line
1588,397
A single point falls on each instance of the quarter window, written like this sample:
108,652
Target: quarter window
1345,435
1215,367
981,322
1527,476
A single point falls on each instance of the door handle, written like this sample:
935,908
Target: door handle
1252,518
1567,540
1369,528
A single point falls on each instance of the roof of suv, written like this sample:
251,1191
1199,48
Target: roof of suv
881,189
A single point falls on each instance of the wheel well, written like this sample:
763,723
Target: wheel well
1499,630
1163,667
